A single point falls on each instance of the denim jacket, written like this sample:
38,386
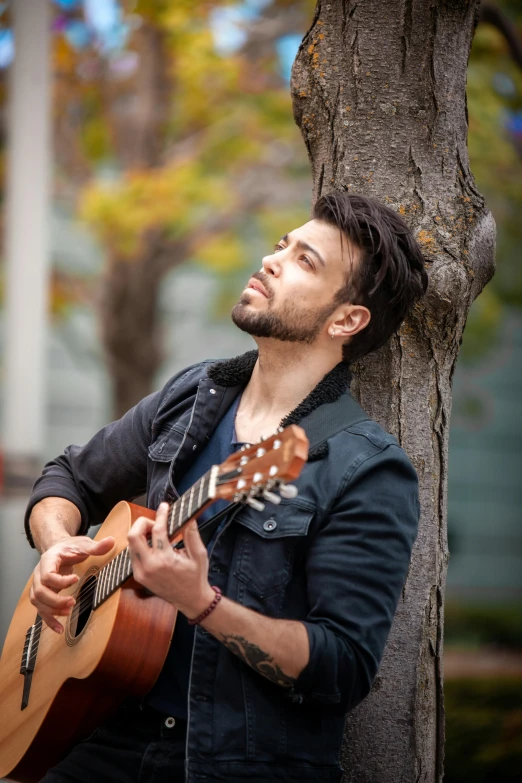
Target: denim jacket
334,558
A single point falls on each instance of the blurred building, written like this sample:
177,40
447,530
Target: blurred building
485,474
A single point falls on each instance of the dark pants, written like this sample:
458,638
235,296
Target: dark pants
135,746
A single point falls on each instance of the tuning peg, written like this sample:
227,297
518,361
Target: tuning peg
271,497
288,491
256,504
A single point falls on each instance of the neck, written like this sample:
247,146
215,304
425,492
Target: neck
284,374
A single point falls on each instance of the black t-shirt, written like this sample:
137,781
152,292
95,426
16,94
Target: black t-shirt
169,693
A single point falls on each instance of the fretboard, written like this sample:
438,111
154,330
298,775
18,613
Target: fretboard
113,575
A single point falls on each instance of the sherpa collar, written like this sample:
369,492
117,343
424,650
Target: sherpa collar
237,372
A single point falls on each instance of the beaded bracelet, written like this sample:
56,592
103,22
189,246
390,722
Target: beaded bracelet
217,598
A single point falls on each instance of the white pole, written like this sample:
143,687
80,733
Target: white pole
26,248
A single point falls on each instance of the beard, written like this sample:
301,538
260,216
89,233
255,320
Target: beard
293,324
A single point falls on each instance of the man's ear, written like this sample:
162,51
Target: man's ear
348,320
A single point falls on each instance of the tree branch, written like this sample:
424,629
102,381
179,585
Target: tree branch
490,14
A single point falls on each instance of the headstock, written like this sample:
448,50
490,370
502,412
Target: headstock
261,470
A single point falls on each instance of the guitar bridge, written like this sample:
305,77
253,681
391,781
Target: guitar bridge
30,651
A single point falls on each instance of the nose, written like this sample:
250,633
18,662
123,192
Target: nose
271,264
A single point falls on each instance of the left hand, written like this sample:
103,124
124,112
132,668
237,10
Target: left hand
179,576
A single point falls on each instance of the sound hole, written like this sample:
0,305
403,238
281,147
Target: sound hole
83,607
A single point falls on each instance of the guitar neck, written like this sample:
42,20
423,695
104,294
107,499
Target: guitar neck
115,573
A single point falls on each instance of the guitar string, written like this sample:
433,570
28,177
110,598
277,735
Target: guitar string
40,626
86,596
197,486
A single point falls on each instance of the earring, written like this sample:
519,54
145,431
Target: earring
332,334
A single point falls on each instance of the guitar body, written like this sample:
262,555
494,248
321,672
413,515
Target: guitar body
82,675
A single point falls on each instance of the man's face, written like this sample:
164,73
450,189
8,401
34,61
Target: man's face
293,296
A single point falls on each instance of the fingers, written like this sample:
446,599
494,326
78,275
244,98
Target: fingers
76,550
101,547
53,574
48,603
194,546
139,535
159,531
59,582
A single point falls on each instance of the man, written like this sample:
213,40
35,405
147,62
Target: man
260,689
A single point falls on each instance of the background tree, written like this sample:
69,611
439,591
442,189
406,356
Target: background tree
202,147
379,93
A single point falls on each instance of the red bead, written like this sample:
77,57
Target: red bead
197,620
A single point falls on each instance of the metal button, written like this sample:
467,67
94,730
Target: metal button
170,722
212,391
270,525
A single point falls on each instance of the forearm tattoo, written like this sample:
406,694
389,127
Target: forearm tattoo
257,659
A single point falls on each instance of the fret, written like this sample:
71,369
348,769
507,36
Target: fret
171,527
178,508
191,497
115,583
119,568
108,580
128,567
97,591
181,517
201,482
105,572
205,484
113,574
101,580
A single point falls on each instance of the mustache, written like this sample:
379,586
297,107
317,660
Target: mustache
263,278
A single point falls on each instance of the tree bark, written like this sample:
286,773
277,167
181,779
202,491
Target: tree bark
379,92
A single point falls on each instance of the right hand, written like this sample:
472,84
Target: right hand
54,573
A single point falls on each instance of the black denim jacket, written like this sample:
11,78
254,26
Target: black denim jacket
334,558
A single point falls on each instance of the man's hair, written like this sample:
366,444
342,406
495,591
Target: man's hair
389,276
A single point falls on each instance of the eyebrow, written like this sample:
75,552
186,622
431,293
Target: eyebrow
305,246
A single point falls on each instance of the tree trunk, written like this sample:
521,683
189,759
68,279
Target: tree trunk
129,318
130,287
379,95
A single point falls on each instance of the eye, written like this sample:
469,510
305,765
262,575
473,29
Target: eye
278,247
307,261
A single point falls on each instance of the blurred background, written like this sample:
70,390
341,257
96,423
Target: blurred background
149,158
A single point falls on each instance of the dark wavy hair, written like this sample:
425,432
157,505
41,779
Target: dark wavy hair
389,276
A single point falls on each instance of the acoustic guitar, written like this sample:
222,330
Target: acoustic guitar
57,688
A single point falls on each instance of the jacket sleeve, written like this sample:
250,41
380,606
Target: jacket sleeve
111,467
356,569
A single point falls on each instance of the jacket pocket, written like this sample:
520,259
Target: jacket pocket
267,544
168,441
